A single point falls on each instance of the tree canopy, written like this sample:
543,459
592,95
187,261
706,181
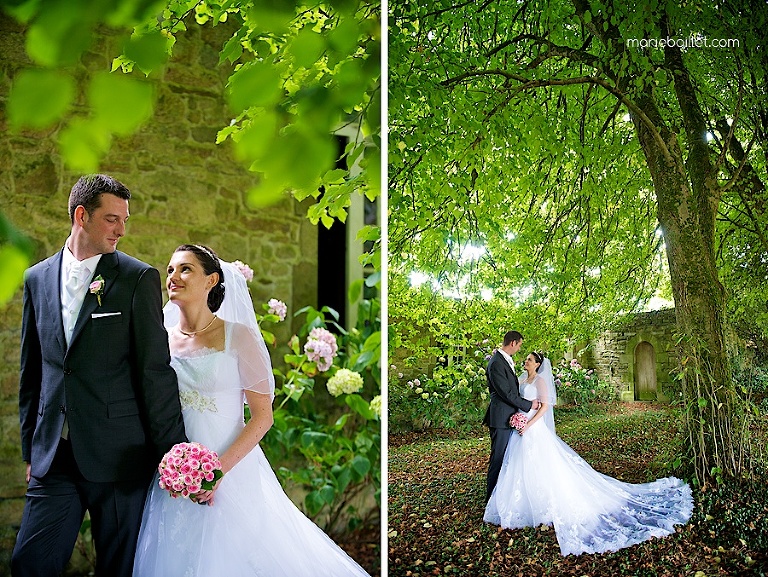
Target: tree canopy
549,152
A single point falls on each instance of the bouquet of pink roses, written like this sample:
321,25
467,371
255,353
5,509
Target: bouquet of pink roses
189,468
518,421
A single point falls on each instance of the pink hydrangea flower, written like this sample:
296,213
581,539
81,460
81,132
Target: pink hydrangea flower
278,308
321,347
244,269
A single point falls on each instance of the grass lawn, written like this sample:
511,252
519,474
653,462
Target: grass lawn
437,498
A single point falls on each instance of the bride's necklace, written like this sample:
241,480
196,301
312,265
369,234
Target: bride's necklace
193,333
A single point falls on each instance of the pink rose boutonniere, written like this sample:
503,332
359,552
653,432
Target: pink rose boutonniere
97,288
189,468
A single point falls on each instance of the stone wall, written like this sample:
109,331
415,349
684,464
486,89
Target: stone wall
612,355
185,187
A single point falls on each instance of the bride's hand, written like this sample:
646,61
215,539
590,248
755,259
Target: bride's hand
206,497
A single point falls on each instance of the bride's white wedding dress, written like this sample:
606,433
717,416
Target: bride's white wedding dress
543,481
253,528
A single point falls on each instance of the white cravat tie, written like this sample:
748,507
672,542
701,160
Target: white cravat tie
73,298
73,278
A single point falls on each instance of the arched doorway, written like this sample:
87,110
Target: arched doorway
645,372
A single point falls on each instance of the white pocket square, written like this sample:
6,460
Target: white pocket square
100,315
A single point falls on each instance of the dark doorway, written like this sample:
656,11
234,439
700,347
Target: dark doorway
332,258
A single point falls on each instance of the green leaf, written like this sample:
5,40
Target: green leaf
299,157
343,477
208,485
352,82
344,37
314,439
307,47
268,192
360,406
373,279
369,233
39,98
328,493
355,291
361,466
255,84
83,143
13,263
254,140
149,51
233,49
314,502
335,176
373,342
271,16
269,337
120,104
60,33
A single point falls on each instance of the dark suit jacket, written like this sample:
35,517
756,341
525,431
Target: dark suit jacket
114,382
504,390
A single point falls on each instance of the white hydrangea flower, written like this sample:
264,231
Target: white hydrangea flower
375,405
344,382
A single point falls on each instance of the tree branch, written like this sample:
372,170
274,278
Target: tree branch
527,84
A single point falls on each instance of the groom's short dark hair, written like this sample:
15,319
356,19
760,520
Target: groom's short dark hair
512,336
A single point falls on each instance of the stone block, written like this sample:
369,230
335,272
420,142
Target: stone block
190,80
204,134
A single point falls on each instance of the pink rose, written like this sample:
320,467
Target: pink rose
186,467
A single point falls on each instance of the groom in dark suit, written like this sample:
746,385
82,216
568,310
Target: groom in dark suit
98,399
504,390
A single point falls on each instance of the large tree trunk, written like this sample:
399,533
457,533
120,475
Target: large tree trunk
688,195
686,212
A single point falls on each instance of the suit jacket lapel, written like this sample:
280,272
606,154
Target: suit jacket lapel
109,270
52,289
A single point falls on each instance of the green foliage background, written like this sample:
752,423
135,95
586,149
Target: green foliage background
298,72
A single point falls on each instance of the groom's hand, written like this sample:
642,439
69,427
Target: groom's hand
536,404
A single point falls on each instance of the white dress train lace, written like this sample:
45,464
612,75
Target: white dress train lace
253,528
544,481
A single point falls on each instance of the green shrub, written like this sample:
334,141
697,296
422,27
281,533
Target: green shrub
455,396
579,386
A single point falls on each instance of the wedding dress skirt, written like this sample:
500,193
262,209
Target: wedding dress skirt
544,481
253,528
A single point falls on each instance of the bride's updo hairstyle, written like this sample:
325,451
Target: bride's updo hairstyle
539,358
211,264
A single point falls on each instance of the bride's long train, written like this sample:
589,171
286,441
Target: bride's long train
544,481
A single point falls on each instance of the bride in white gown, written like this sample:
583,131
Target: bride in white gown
248,525
543,481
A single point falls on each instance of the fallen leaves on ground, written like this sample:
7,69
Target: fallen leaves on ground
437,498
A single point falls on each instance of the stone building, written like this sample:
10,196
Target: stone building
638,358
185,188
